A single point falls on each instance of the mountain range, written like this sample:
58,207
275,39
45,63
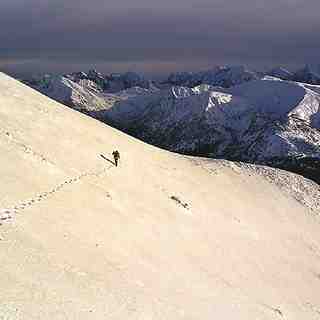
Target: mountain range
228,112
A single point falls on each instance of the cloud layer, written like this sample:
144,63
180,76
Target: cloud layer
149,34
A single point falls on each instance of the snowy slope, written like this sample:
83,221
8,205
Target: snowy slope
162,236
282,99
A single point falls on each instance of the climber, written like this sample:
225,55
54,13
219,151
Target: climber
116,156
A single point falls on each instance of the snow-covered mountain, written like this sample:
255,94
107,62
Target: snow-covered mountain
108,83
93,75
113,82
263,121
119,82
281,73
309,74
224,76
84,95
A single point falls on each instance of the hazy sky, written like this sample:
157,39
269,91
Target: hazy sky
155,36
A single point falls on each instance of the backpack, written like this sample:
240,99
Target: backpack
116,154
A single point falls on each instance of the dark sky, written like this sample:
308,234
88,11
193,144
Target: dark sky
156,36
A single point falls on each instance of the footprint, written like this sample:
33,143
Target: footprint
108,195
5,216
6,213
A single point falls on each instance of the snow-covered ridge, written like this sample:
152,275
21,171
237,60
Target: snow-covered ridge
281,73
157,237
225,76
219,76
303,190
84,96
277,99
309,74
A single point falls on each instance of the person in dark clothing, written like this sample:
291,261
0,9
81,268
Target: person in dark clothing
116,157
